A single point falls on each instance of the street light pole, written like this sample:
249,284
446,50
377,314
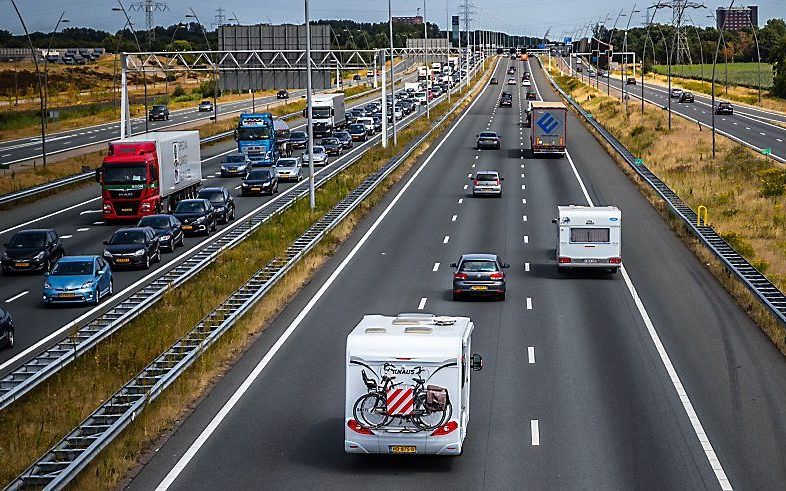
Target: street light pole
714,63
215,64
144,72
425,62
309,114
625,57
61,20
393,74
448,26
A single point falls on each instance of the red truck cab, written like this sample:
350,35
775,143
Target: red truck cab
129,181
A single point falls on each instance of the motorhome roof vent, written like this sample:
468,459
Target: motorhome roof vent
444,320
376,330
417,330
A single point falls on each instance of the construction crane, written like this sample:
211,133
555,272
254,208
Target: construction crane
545,37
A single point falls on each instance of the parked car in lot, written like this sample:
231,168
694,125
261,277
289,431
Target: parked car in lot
282,94
78,279
332,146
676,93
196,216
724,108
686,97
223,202
205,106
479,274
358,132
289,169
260,181
320,156
6,329
132,247
488,139
167,228
235,164
158,112
32,250
487,183
298,139
631,81
344,137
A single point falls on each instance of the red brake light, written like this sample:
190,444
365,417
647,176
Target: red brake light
460,276
564,260
475,182
497,182
497,276
445,429
358,428
615,260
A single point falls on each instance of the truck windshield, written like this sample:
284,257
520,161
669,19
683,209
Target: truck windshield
125,174
256,133
321,112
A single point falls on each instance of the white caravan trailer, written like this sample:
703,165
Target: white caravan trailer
407,384
589,237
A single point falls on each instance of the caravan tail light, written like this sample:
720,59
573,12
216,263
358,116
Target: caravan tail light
564,260
497,276
460,276
358,428
445,429
615,260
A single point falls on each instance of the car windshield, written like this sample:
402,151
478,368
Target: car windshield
212,196
72,268
124,174
255,133
27,240
159,108
286,163
190,207
486,177
298,135
318,149
155,222
478,266
259,174
128,237
329,141
487,134
235,159
357,128
205,103
342,134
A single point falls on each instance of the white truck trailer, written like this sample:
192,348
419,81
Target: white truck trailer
328,113
549,122
589,237
408,384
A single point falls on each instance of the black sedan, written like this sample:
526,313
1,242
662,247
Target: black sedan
260,181
332,146
6,329
349,117
631,81
686,97
488,139
505,101
724,108
158,112
298,139
167,228
223,202
479,274
493,81
196,215
344,137
358,132
531,95
282,94
32,250
132,247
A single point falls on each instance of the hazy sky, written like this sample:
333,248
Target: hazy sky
530,17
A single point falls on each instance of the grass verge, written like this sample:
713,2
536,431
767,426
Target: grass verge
34,424
742,190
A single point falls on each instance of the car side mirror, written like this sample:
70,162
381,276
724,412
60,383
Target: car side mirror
476,363
505,265
106,242
553,220
46,273
501,178
477,136
453,265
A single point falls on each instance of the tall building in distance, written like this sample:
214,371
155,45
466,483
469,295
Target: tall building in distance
416,20
737,17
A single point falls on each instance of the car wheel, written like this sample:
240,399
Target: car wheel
111,288
180,242
147,262
215,225
9,341
232,214
158,255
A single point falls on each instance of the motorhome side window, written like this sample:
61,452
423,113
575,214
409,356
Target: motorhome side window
589,235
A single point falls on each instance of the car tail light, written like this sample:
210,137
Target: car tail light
460,276
615,260
445,429
475,182
497,276
358,428
564,260
496,182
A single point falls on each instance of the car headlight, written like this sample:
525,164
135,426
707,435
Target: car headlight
224,167
87,284
39,256
165,237
107,254
199,220
140,252
220,208
47,286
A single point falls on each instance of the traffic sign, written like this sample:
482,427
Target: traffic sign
638,162
766,151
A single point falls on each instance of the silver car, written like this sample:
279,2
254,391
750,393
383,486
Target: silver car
487,183
289,169
320,156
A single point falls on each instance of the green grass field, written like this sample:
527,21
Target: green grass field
743,74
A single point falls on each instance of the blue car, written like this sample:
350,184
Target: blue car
78,279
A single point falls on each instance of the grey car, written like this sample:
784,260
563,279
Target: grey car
487,183
289,169
479,275
488,139
320,156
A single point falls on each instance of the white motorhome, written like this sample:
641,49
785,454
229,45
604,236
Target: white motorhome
408,384
589,237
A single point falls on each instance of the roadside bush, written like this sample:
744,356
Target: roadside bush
178,92
206,89
773,183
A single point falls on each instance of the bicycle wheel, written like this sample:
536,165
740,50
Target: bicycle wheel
426,420
371,410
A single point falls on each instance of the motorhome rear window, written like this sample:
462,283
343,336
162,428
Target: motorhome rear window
589,235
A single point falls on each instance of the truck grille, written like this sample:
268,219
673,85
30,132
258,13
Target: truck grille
124,194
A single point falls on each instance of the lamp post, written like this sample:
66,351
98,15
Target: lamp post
393,74
139,47
193,15
625,57
166,75
425,62
714,63
644,54
309,112
40,85
61,20
447,46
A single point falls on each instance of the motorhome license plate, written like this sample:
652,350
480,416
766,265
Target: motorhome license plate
480,287
403,449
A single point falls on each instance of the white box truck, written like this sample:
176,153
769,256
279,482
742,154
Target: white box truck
589,237
411,86
328,113
549,122
408,384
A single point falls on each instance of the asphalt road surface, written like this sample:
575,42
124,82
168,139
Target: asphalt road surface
592,361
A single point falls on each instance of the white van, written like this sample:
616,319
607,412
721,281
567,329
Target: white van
407,384
589,237
368,122
421,98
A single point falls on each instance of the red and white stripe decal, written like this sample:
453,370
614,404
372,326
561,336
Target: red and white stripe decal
400,400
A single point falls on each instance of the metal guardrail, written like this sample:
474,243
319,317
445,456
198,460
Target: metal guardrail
64,461
767,293
28,375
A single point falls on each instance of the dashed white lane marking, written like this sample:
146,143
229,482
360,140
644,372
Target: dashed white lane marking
473,166
735,124
66,236
529,303
422,303
89,211
461,200
762,134
436,267
98,223
522,176
446,239
17,296
526,239
466,186
469,175
526,267
779,139
523,186
523,201
237,187
524,218
535,432
204,179
477,157
747,128
453,218
531,355
83,229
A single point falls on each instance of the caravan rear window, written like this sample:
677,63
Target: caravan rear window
589,235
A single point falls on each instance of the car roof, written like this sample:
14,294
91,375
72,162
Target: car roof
130,229
192,199
35,231
216,188
74,259
159,215
488,133
479,257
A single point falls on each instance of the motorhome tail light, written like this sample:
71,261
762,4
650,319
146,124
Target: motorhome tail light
497,276
564,260
445,429
460,276
615,260
358,428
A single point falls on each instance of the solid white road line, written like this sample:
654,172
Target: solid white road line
66,236
533,425
531,355
17,296
238,394
422,303
529,303
436,267
446,239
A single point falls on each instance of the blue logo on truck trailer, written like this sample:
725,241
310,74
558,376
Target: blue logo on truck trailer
547,123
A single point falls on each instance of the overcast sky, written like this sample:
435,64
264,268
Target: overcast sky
528,17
